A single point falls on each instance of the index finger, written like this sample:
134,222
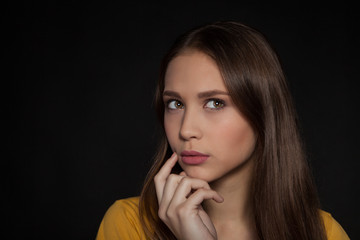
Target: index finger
162,175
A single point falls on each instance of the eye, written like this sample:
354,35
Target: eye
215,104
175,104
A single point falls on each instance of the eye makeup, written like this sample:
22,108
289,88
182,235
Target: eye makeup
214,104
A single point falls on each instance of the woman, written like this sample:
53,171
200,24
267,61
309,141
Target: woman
231,163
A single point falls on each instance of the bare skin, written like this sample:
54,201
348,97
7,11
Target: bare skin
184,215
208,200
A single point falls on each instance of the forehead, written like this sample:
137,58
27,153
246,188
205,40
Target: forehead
193,70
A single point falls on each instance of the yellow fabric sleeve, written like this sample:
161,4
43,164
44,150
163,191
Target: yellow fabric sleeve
121,221
334,231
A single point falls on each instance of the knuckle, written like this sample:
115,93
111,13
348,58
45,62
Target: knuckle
205,184
156,178
175,211
162,213
170,213
172,177
180,210
185,180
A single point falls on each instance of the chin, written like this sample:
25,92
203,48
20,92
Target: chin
196,172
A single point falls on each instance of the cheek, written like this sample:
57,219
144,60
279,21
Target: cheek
237,138
171,128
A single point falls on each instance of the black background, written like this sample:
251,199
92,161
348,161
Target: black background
78,83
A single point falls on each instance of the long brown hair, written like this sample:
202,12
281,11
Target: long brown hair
285,200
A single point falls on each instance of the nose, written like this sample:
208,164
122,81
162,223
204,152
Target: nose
190,125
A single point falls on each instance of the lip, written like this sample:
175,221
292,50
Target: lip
193,157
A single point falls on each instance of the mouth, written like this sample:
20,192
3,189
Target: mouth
193,157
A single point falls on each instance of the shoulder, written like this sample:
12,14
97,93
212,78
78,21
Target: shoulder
127,205
121,221
124,209
334,231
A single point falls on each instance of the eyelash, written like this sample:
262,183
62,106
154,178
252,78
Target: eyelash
169,101
222,102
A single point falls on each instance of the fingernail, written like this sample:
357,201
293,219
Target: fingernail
221,198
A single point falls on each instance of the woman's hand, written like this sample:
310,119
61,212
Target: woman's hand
180,199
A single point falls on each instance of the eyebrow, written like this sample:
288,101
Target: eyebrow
205,94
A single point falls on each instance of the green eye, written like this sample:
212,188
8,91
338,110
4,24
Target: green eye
175,104
215,104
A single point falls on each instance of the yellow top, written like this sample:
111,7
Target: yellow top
122,222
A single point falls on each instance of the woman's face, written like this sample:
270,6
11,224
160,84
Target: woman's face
202,124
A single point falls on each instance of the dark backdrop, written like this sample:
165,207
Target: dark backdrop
78,81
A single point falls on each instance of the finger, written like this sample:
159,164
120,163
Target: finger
161,176
170,187
183,174
185,188
203,194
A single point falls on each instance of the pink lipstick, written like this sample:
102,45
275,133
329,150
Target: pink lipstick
193,157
